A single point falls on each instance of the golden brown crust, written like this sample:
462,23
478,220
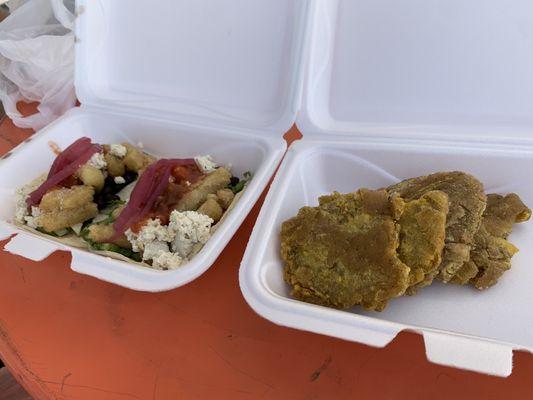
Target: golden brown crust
212,209
210,184
67,198
225,197
491,254
115,166
65,207
91,176
467,203
136,160
103,233
61,219
422,232
343,252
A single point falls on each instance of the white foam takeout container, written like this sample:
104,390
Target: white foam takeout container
397,89
184,77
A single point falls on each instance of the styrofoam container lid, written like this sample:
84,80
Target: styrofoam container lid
397,89
185,78
226,63
447,69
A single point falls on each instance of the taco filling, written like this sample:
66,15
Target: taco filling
118,199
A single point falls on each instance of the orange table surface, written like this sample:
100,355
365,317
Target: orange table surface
68,336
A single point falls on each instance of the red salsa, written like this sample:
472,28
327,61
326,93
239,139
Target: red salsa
182,177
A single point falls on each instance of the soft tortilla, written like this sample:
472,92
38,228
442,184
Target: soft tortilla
75,241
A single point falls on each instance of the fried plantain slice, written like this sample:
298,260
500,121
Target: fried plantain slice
422,232
344,252
467,202
491,254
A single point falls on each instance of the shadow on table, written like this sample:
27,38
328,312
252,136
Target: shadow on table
9,387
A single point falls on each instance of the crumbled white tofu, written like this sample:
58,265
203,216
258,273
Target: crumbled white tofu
21,194
21,208
132,238
119,180
166,261
188,228
154,249
97,161
162,258
118,150
205,163
152,231
32,220
185,231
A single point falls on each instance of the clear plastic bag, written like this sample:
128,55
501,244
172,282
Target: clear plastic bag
37,60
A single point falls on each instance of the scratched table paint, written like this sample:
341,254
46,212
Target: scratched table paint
69,336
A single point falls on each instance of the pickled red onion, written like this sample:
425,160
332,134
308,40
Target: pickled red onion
139,195
152,183
68,155
36,196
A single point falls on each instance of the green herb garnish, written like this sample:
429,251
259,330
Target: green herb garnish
110,219
115,203
58,233
236,185
63,232
108,211
84,234
45,232
135,256
117,249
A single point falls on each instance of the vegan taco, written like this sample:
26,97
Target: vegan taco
118,200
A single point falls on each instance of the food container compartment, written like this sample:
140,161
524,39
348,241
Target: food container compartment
166,140
396,90
189,78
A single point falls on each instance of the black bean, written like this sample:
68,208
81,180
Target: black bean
108,194
106,190
234,181
100,203
111,197
130,176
